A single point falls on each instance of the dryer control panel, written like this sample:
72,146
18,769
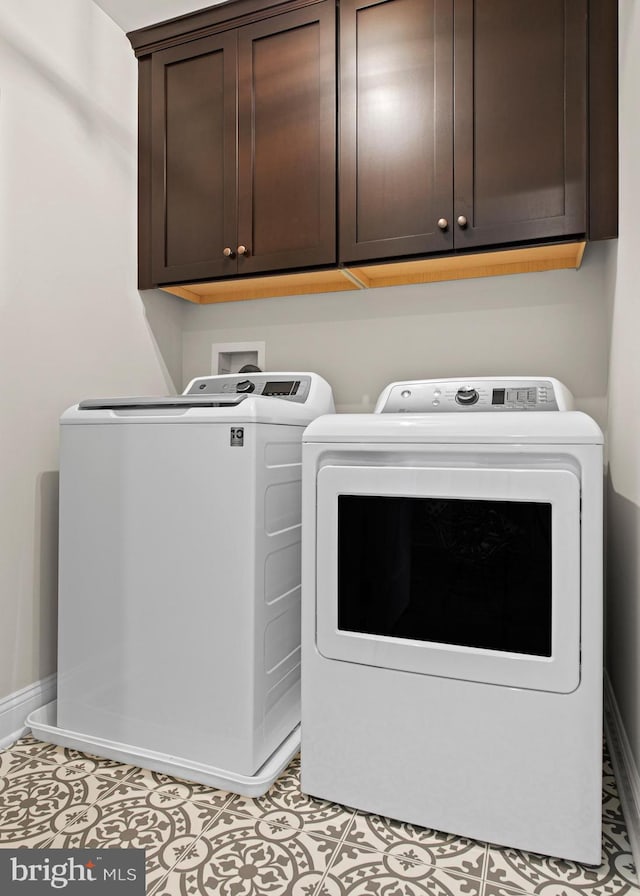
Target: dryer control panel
475,394
291,386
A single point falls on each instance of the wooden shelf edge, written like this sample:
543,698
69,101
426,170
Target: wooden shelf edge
555,256
490,264
182,292
333,280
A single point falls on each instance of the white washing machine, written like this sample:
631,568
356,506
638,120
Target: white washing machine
179,603
452,612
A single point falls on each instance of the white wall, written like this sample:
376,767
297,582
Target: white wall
131,14
623,563
553,323
72,323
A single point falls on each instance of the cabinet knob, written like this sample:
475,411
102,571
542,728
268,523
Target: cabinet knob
242,250
228,252
462,221
443,223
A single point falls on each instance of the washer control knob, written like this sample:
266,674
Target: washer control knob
245,386
467,396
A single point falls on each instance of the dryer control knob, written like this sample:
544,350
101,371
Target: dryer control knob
467,396
245,386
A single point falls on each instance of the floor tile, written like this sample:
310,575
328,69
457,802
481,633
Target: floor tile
68,756
202,841
359,872
607,765
38,799
617,850
608,777
11,762
131,816
608,787
517,870
177,787
491,889
25,741
238,856
285,805
612,809
418,844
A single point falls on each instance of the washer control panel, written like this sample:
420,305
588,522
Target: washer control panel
291,386
475,394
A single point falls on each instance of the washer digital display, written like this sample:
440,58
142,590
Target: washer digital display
288,387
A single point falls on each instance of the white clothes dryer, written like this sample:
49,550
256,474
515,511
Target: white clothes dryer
452,612
179,604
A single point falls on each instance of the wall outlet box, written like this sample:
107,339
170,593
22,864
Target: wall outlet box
230,357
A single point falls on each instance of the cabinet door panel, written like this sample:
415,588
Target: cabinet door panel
395,127
520,120
286,175
194,159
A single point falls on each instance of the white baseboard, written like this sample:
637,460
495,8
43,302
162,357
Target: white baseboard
15,708
624,767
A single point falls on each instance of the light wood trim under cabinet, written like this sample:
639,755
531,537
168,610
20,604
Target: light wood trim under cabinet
398,273
264,287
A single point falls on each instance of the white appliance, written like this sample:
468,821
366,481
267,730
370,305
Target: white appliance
452,612
179,606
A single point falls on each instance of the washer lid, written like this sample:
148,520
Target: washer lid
288,398
534,427
171,401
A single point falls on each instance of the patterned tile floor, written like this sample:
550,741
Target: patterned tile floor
200,841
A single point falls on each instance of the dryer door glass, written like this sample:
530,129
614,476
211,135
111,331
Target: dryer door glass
471,572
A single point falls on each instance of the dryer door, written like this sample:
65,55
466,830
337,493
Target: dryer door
463,573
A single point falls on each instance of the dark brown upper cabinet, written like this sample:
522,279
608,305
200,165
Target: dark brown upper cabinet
396,147
463,124
241,147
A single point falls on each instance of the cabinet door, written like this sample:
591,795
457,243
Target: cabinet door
520,120
193,166
396,152
286,139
